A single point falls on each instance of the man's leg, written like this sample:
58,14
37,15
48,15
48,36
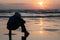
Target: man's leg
23,29
10,35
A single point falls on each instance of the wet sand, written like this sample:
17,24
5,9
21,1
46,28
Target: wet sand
35,34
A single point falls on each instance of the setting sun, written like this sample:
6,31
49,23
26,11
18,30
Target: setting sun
40,3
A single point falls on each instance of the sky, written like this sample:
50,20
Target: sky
31,4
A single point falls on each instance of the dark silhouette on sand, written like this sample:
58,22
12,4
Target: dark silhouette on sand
25,36
14,23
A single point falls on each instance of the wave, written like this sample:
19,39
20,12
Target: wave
33,16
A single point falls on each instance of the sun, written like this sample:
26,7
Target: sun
40,3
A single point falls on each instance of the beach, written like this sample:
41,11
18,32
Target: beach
39,29
32,19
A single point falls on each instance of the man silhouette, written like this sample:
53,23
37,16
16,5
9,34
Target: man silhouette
15,22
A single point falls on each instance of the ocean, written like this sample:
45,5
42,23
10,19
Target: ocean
40,28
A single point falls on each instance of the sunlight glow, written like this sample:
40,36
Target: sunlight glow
40,3
41,32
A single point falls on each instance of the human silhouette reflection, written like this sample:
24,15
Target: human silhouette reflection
14,23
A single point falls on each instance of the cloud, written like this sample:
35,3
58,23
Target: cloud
15,6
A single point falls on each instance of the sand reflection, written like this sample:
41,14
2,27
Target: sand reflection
41,21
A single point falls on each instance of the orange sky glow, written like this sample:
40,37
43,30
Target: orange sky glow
37,4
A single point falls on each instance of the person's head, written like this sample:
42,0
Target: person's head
17,14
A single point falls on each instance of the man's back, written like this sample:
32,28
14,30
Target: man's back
14,22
